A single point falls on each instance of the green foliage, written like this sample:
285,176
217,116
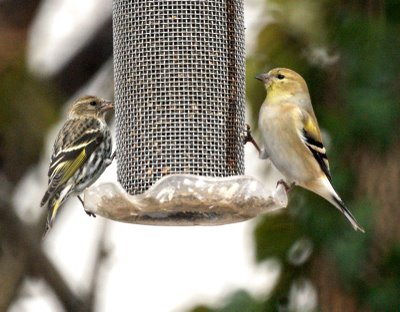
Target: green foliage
202,308
392,11
368,51
356,100
350,253
281,237
237,302
373,117
383,293
359,105
384,297
270,242
241,301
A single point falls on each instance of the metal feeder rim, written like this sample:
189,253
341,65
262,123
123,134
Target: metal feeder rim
186,200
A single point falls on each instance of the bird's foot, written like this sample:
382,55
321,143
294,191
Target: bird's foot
108,161
81,200
90,214
287,187
249,138
263,154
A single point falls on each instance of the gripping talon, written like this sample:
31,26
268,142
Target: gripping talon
108,161
90,214
249,138
287,187
81,200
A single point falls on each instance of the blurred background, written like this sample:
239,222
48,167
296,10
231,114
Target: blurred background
304,258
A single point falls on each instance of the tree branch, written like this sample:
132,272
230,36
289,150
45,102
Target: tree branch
25,241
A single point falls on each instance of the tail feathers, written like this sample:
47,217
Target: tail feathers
324,188
53,206
340,205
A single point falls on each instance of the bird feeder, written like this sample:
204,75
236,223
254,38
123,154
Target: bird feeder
180,117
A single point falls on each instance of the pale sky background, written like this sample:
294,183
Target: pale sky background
150,268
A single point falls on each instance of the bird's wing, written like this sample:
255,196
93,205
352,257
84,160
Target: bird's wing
70,155
311,137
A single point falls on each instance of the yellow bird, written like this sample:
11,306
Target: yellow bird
291,138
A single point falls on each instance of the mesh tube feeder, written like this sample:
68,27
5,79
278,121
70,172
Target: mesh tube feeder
180,124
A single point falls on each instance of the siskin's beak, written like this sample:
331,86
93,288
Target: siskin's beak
263,77
106,106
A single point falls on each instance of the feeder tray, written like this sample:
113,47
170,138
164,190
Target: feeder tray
180,117
186,200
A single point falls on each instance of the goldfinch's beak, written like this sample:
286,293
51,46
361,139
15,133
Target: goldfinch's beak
263,77
106,106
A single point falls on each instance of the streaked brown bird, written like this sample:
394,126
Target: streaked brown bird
81,153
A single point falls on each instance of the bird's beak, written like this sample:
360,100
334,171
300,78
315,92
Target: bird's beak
263,77
106,106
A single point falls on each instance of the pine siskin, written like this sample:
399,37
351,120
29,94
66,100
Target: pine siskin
291,137
81,153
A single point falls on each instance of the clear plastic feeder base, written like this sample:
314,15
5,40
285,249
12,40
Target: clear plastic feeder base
186,200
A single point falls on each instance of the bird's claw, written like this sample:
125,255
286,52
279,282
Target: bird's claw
90,214
287,187
108,161
249,138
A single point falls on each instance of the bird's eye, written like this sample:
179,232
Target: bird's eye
280,76
93,103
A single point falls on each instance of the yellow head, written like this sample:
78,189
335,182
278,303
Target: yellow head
90,106
283,82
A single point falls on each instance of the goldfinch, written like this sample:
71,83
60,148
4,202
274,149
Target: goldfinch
291,138
81,152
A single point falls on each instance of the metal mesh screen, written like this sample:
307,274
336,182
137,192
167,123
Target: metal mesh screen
179,89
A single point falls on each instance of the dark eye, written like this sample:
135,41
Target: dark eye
93,103
280,76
